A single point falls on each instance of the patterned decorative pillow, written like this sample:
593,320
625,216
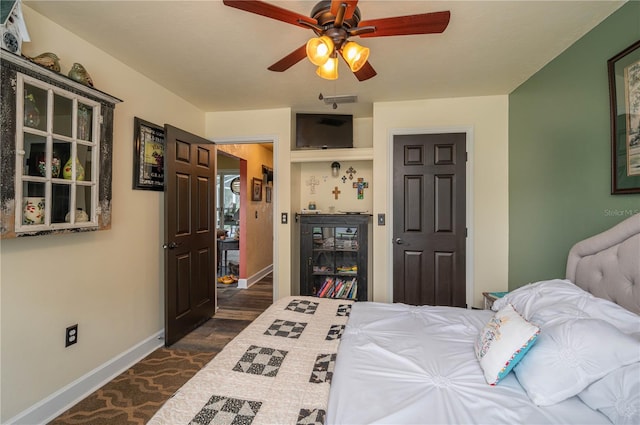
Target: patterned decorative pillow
503,342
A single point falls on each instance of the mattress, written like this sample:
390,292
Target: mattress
400,364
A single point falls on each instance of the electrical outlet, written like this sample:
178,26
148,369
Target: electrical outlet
284,218
71,335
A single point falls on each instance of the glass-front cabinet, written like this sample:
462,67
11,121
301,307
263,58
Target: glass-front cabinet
334,256
56,152
57,163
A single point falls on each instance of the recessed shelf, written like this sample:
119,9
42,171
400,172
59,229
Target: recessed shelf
321,155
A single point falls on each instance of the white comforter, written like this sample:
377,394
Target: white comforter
400,364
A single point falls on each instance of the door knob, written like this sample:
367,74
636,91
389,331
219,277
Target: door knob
399,241
171,245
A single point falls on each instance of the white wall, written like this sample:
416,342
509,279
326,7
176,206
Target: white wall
487,117
109,282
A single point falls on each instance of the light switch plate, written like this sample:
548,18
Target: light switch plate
381,219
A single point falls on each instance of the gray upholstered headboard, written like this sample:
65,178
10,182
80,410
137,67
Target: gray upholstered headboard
608,264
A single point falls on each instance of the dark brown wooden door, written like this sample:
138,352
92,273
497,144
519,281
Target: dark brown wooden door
190,258
429,212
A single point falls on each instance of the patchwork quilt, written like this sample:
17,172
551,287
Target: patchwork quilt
276,371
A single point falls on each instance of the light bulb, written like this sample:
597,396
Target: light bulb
355,55
329,70
319,49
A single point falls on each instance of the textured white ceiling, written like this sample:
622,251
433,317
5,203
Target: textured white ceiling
216,57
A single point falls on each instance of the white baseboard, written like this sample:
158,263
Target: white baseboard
246,283
49,408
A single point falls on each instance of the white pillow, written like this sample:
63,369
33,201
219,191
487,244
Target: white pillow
551,301
570,355
503,342
617,395
533,296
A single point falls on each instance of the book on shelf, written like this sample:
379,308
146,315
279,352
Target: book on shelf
347,289
354,290
328,282
338,288
329,290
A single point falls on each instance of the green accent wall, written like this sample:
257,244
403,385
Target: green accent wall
559,153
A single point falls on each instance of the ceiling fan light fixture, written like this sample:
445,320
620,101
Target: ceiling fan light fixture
329,71
319,50
355,55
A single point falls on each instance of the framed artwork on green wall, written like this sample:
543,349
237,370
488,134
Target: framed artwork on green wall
624,96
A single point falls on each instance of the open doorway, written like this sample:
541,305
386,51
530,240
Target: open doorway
244,216
228,205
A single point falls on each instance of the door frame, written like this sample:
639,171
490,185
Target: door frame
468,130
251,140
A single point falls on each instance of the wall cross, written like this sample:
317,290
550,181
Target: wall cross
313,182
361,185
336,192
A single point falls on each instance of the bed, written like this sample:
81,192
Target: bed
557,351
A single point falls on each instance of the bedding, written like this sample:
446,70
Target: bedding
617,395
400,364
276,371
566,356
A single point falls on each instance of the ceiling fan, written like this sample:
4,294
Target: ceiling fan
334,22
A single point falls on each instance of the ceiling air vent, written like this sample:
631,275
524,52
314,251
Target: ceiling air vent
343,98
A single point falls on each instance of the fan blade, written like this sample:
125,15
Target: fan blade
426,23
350,5
270,11
365,72
290,60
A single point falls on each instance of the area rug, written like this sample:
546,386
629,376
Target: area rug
134,396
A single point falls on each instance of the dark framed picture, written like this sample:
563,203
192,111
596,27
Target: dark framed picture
624,96
256,189
267,194
148,155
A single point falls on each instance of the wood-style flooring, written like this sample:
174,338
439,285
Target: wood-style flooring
134,396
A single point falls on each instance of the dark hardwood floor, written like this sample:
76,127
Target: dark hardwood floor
134,396
236,309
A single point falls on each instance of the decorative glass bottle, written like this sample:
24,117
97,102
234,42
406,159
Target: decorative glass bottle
67,170
31,112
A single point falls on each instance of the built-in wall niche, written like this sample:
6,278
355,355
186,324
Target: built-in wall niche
336,194
362,139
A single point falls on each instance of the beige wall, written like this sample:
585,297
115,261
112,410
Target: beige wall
109,282
324,196
487,118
